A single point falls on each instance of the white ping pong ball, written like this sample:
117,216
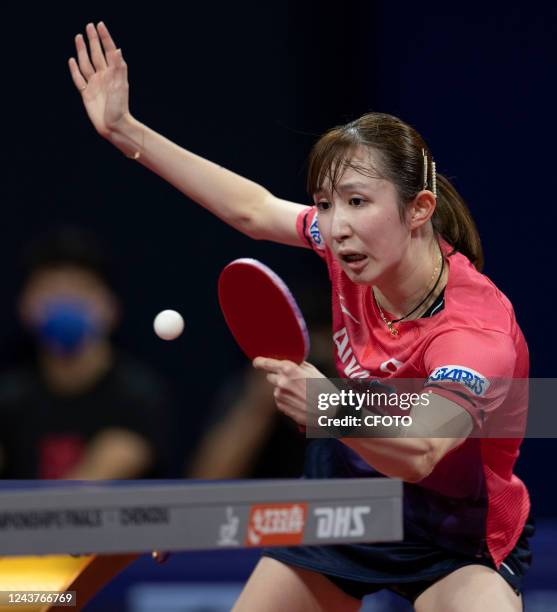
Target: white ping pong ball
168,324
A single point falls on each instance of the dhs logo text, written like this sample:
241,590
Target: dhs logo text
341,522
471,379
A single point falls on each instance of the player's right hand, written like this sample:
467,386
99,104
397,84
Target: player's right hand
101,76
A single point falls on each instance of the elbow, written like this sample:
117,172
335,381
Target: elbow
420,467
255,220
416,474
248,223
249,226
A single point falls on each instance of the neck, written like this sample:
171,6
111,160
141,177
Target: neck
404,287
76,373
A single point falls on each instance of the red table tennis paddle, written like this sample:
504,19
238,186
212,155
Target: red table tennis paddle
261,312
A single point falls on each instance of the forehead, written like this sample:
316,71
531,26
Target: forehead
358,170
67,278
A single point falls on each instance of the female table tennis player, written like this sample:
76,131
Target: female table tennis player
409,301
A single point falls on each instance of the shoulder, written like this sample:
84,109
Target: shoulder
477,329
473,300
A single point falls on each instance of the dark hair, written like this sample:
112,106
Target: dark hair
400,152
67,246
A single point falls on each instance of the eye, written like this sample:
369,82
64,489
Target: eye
323,205
356,201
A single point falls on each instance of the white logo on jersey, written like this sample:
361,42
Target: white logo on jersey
390,366
316,234
344,351
346,311
341,522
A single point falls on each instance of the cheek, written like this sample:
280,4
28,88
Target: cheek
376,228
383,235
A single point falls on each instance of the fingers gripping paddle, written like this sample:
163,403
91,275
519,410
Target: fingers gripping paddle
261,312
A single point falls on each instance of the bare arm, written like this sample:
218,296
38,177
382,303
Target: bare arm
100,74
436,429
229,448
114,454
414,457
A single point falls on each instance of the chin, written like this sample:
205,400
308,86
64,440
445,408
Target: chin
365,277
362,280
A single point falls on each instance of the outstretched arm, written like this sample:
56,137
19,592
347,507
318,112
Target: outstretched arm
411,458
101,76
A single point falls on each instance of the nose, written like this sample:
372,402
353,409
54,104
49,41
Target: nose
340,224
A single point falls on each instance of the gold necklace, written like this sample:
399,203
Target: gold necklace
390,324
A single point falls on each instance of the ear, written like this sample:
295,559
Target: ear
421,209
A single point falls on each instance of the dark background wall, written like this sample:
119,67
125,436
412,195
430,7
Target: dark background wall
251,86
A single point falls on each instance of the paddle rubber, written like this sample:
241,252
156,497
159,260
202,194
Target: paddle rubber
261,313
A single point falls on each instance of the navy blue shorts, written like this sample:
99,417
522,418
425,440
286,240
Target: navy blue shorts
405,568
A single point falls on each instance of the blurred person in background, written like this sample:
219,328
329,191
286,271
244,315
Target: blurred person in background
81,409
246,435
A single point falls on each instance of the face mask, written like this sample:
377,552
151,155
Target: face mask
65,327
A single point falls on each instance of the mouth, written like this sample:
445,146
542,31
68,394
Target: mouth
355,261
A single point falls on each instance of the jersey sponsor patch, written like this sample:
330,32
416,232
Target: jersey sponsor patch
467,377
316,234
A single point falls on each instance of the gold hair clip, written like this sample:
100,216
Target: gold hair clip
424,154
433,174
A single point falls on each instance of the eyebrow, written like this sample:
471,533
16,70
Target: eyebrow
347,187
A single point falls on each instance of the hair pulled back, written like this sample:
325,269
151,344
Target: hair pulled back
405,160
